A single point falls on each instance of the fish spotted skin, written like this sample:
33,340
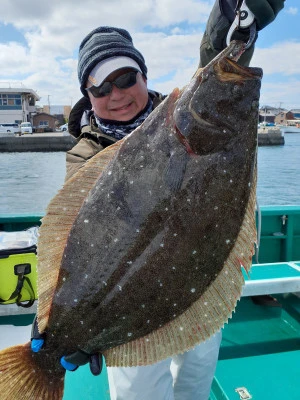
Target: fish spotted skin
156,229
160,222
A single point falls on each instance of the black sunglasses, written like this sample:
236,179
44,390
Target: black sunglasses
124,81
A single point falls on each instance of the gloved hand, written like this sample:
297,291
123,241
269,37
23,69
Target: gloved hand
223,14
37,339
73,361
265,11
220,20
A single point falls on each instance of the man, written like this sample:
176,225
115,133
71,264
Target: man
113,79
107,54
116,87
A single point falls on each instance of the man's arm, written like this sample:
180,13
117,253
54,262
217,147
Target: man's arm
220,20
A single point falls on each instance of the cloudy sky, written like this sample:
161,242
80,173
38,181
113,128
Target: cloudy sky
39,43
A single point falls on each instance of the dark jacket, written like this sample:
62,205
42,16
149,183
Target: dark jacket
90,138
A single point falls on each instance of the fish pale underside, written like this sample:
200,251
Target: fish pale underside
140,254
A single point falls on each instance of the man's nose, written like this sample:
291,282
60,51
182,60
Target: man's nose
116,92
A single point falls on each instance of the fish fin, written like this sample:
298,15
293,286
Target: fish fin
18,370
57,223
175,170
204,317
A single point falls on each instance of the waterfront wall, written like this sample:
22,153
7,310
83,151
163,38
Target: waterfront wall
62,142
270,137
40,143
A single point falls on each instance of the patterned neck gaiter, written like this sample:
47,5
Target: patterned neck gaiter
120,129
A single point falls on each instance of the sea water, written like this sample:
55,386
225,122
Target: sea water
278,172
29,180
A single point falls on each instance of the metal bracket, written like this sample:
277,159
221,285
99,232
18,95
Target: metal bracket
243,393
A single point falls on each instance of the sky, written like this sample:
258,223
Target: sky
39,44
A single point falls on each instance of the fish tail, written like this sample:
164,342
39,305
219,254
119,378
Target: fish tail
22,379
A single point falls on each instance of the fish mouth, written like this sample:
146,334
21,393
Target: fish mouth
225,65
227,70
233,51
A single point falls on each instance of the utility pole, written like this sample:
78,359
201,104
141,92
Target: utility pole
49,103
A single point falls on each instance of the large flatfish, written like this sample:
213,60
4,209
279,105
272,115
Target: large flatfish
140,255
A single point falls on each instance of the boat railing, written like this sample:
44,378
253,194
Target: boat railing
272,278
18,222
279,236
279,239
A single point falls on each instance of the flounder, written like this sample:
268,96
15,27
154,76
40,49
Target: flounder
140,253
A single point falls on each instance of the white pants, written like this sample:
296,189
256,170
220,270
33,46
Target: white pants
186,376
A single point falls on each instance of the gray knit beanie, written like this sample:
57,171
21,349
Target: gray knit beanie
102,43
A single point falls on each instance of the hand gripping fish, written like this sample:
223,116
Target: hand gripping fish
140,254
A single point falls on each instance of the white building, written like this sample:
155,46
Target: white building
17,104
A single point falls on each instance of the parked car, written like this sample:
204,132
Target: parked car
63,128
26,127
9,128
4,132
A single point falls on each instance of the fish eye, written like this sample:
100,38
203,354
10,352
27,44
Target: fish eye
237,91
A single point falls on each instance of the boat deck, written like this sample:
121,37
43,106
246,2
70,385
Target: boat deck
262,340
260,352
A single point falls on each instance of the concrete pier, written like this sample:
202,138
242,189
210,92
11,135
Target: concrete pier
269,136
41,142
62,141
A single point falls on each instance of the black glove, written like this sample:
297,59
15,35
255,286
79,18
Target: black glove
73,361
37,339
265,11
223,14
220,19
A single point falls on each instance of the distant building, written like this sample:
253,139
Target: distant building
266,116
296,112
17,104
43,122
283,117
63,111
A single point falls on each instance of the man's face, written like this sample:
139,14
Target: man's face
121,104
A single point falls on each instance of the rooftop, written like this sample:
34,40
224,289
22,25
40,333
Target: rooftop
17,87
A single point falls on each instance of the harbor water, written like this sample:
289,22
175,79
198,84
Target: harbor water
29,180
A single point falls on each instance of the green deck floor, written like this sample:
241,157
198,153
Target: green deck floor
267,377
261,351
82,385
